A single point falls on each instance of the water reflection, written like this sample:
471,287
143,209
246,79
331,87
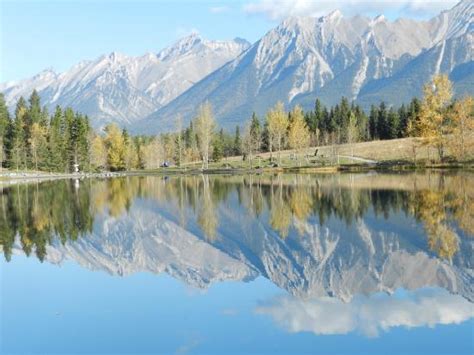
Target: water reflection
368,315
332,242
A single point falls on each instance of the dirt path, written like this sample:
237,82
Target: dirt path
368,161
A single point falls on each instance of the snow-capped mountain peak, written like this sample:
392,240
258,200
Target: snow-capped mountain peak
119,88
364,59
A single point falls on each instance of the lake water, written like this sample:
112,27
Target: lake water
262,264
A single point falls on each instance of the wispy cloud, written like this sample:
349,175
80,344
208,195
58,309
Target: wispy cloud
368,315
278,9
219,9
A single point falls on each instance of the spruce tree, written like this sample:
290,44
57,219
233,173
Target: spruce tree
237,142
70,138
373,123
18,149
4,126
382,122
403,118
256,133
56,142
393,124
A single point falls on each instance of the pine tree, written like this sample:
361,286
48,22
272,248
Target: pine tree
413,123
393,124
56,142
362,123
382,122
403,118
4,126
218,146
38,146
237,142
18,154
255,133
373,123
32,116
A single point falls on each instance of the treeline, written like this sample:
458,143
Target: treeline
65,142
32,139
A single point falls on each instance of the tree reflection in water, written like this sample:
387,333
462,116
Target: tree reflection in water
37,214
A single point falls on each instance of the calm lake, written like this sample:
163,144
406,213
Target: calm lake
262,264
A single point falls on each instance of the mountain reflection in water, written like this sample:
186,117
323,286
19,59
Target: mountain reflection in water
338,244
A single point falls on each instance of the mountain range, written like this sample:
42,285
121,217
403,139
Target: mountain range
122,89
367,60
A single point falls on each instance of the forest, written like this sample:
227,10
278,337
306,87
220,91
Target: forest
33,139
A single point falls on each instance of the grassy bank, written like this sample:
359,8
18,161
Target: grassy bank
397,154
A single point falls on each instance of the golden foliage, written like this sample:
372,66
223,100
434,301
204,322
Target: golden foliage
299,135
461,143
433,124
277,122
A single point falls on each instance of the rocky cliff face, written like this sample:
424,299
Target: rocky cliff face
122,89
367,60
364,59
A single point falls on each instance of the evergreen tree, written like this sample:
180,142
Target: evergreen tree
56,142
373,123
4,127
382,122
255,133
393,124
237,142
218,146
403,119
18,153
362,123
413,123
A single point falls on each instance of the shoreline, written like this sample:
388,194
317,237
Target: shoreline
10,178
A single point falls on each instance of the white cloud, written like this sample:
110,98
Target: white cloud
278,9
368,315
219,9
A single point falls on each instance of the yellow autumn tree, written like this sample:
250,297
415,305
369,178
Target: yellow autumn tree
207,215
277,123
461,143
431,209
299,135
153,154
280,212
115,144
205,125
433,123
98,153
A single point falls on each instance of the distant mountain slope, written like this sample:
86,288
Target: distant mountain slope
123,89
364,59
367,60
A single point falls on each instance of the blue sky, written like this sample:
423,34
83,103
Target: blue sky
36,34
